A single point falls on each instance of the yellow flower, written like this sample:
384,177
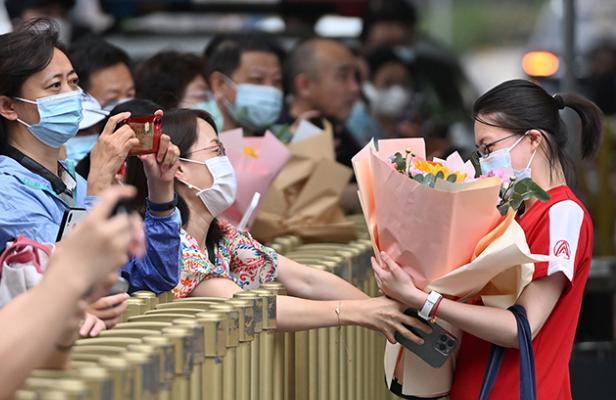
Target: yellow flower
432,167
250,152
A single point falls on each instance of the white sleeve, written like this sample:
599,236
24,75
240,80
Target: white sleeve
566,219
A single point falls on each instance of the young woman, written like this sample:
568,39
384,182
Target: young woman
517,124
218,260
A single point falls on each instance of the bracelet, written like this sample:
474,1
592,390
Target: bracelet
431,301
338,313
435,310
160,207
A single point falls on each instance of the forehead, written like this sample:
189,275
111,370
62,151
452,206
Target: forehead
59,64
205,134
485,133
260,61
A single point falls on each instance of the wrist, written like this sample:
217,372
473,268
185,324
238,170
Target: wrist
97,184
162,194
417,299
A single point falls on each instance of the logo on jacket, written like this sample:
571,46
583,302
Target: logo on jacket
562,249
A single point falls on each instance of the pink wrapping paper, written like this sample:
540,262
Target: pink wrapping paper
257,161
434,230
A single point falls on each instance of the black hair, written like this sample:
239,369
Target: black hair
15,8
137,107
92,54
225,53
381,56
23,53
400,12
519,105
163,78
181,126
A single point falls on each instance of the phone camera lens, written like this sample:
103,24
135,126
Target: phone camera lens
441,347
450,343
443,338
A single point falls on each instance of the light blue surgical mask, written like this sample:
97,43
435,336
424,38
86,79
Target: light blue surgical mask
361,124
211,107
79,146
59,115
500,160
256,107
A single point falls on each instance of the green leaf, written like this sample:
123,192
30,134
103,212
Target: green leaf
399,161
503,208
429,180
515,204
452,178
419,178
538,192
521,186
439,175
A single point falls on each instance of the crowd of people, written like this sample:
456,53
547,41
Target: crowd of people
64,146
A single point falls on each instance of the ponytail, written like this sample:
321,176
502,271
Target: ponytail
591,121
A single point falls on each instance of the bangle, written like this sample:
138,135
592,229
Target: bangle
160,207
435,310
338,313
431,301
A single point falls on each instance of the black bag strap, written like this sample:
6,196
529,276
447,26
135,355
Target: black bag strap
527,360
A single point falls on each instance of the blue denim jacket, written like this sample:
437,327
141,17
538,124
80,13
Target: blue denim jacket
29,207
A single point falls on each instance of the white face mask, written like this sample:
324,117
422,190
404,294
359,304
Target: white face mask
221,195
500,160
392,102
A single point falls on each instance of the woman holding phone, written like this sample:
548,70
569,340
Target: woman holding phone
40,109
517,124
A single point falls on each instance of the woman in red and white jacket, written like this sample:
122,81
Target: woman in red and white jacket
518,123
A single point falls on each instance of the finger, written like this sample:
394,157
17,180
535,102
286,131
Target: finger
87,325
148,160
172,156
112,312
376,267
111,124
109,199
390,336
415,323
98,327
109,324
163,146
408,334
110,301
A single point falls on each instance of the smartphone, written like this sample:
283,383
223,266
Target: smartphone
120,286
438,346
148,129
71,218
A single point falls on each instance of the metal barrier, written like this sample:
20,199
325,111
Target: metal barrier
226,349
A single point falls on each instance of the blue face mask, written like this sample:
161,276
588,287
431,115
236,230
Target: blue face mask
256,106
79,146
59,115
361,124
211,107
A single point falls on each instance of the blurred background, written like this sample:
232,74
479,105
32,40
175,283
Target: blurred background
451,52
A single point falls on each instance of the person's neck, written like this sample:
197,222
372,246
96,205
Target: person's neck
47,156
299,107
547,180
226,117
200,219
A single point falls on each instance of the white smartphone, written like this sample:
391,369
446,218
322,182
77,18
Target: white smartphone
71,218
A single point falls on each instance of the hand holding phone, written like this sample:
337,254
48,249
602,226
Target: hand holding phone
438,346
147,130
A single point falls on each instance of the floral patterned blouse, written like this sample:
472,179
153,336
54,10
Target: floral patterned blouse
237,257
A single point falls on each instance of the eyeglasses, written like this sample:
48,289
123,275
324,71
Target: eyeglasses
485,149
218,148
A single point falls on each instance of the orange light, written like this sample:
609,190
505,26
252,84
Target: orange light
541,64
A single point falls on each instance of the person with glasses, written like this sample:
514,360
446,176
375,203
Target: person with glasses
219,260
518,127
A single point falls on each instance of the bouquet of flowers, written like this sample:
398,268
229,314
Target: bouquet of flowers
450,231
